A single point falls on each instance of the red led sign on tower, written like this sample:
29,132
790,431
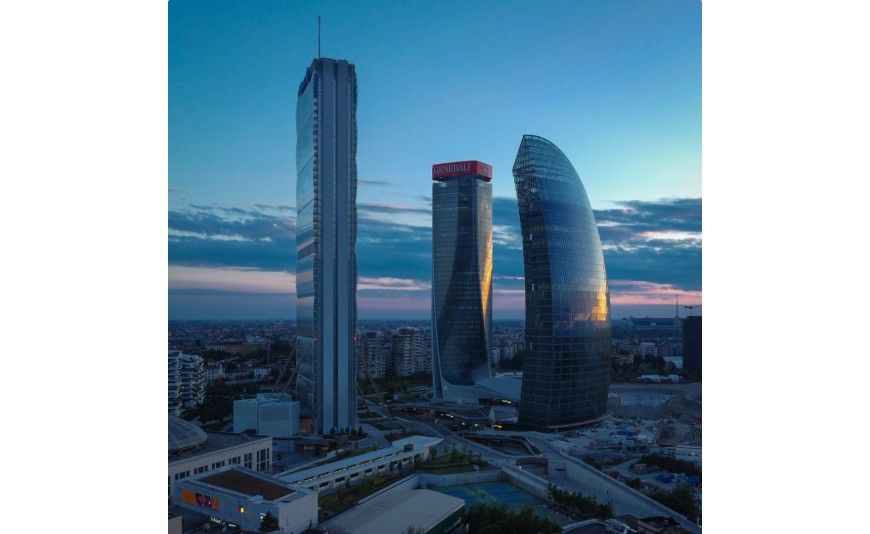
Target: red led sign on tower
457,168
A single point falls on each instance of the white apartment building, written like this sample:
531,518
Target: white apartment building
175,406
186,381
412,352
371,353
213,372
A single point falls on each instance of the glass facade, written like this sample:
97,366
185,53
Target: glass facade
692,343
326,181
461,283
566,371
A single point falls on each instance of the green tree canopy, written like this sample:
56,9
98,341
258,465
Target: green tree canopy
484,519
269,523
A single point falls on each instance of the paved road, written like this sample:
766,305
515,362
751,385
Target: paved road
450,439
590,481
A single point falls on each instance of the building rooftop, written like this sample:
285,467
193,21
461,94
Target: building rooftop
397,510
185,437
242,482
398,446
217,441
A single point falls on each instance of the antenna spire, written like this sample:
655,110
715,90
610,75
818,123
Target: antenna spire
318,36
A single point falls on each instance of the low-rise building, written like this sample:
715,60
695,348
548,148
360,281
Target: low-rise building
214,371
647,348
269,414
689,453
243,497
401,454
193,451
399,510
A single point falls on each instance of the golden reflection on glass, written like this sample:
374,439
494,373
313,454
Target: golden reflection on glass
486,282
600,310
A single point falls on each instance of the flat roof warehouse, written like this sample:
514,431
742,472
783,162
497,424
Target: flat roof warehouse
246,484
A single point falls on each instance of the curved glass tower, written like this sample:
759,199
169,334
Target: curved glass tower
566,372
461,277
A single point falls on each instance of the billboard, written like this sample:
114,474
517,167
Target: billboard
457,168
200,499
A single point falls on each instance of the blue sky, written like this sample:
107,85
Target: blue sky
85,118
616,85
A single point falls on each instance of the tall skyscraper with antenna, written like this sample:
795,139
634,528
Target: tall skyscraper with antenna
326,268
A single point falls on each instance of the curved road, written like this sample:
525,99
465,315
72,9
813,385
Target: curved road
590,481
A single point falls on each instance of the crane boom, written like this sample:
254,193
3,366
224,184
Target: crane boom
284,368
374,387
295,372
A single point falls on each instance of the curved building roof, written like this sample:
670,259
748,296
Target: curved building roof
185,437
566,371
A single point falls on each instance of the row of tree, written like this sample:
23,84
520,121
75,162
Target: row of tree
681,499
669,464
483,519
586,507
219,397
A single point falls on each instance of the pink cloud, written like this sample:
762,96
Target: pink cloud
398,304
394,284
226,279
630,292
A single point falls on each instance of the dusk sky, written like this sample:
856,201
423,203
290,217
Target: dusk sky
616,85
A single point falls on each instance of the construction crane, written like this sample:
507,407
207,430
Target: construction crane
293,374
299,366
365,366
690,308
284,368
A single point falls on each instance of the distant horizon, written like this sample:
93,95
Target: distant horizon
660,311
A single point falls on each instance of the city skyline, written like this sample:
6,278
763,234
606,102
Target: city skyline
620,93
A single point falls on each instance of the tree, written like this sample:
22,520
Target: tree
414,530
634,483
485,519
269,523
586,507
681,499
